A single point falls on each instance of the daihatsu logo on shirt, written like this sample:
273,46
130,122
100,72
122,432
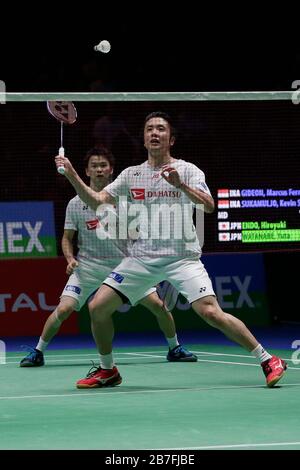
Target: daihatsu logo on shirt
163,193
92,224
138,193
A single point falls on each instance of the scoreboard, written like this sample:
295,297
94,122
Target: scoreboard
258,216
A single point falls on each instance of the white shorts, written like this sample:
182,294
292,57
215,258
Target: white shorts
86,280
133,276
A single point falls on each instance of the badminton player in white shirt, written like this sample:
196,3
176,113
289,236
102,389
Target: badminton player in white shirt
95,260
162,179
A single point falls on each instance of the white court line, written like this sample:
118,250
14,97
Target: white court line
144,354
148,352
95,357
160,357
148,355
240,363
207,353
96,393
236,446
137,352
116,353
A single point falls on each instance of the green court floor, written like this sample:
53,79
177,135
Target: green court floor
220,402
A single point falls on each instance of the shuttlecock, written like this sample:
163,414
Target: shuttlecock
103,46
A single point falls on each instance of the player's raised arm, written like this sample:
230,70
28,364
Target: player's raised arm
86,194
196,195
199,197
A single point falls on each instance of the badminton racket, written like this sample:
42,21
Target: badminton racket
168,294
65,112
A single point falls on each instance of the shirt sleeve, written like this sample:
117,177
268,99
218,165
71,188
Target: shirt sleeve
71,217
119,187
196,179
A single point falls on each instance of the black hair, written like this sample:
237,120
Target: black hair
165,116
99,151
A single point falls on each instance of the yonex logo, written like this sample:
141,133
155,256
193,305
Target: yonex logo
227,285
13,232
138,193
202,289
137,173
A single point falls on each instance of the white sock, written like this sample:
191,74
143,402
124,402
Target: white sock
106,361
42,345
260,353
173,342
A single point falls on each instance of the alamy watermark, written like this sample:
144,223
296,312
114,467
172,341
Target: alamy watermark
296,354
2,352
155,221
2,92
296,93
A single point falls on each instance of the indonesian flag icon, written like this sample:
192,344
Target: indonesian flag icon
223,192
137,193
223,204
224,237
223,225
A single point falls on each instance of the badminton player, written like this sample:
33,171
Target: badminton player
161,179
95,260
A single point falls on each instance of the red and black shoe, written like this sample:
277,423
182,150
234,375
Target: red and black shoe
273,369
98,377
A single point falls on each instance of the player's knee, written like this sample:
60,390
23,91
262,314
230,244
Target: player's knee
157,308
63,312
211,313
99,311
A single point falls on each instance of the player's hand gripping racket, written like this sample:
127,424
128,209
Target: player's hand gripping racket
65,112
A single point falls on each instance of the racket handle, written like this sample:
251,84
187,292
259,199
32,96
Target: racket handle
61,153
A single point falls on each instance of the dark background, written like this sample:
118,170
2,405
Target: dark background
186,49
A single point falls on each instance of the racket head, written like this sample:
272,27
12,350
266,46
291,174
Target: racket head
63,111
